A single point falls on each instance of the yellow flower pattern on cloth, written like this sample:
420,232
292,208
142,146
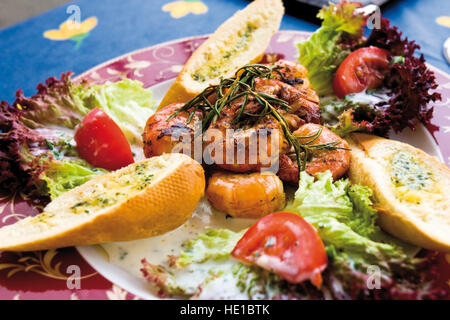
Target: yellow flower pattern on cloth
443,21
72,30
179,9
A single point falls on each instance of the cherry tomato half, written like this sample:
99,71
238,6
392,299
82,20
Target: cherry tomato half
362,69
101,142
286,244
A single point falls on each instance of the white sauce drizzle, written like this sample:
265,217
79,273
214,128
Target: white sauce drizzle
128,254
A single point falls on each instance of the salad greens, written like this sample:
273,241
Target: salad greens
126,102
39,156
62,175
355,245
344,217
408,86
56,103
346,221
204,264
324,51
215,244
347,115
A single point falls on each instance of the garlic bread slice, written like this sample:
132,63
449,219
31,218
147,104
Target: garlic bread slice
240,40
144,199
411,189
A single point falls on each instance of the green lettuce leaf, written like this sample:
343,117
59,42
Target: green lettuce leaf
344,217
342,17
354,112
63,175
322,53
55,103
125,101
64,103
204,269
214,244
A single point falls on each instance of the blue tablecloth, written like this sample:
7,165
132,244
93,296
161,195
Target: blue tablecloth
27,57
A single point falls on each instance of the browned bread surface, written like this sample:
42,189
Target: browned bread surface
411,189
144,199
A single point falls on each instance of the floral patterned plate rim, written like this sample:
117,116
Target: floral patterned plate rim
63,273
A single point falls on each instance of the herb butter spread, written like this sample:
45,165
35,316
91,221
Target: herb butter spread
217,65
114,191
408,172
410,178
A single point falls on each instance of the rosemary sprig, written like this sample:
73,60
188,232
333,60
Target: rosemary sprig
242,85
230,89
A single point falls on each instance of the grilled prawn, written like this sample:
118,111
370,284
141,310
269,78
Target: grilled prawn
162,136
288,86
246,134
337,160
246,195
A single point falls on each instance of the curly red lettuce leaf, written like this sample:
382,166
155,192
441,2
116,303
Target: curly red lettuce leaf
20,152
413,280
163,280
410,82
343,280
34,141
54,104
40,164
409,87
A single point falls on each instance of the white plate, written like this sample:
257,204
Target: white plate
129,278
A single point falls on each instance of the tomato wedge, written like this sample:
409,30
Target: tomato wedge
286,244
101,142
362,69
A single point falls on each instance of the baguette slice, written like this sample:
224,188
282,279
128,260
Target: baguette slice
411,189
240,40
144,199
